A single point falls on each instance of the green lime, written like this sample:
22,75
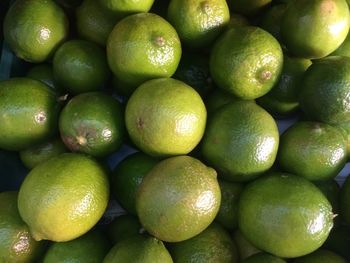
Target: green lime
244,247
89,248
92,123
263,258
315,28
165,117
142,249
44,73
228,211
198,22
178,199
324,97
271,20
40,153
35,28
93,22
282,99
64,197
143,47
218,98
314,150
321,256
240,141
345,200
128,176
194,71
246,61
285,215
344,49
331,190
214,244
28,113
16,243
124,8
249,7
123,227
80,66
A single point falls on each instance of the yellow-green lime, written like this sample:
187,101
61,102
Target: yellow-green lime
64,197
198,22
123,8
165,117
16,243
246,61
35,28
142,47
178,199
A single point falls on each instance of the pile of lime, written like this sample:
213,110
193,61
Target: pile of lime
173,110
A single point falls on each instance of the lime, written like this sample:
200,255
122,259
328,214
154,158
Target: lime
124,8
80,66
246,61
263,258
240,141
325,96
37,154
198,22
143,47
315,28
92,123
165,117
64,197
314,150
344,49
331,190
89,248
123,227
16,243
178,199
321,256
214,244
128,176
35,28
26,121
285,215
142,249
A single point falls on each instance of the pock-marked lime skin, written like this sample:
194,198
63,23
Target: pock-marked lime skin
35,28
28,113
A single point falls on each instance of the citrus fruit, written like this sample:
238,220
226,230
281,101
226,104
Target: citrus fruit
285,215
344,48
92,123
214,244
246,61
321,256
93,22
34,29
44,73
230,193
315,28
143,47
142,249
331,190
249,7
218,98
198,22
165,117
282,99
194,71
271,20
80,66
64,197
263,258
89,248
16,243
37,154
123,227
314,150
345,200
240,141
244,247
124,8
178,199
26,121
325,94
128,176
